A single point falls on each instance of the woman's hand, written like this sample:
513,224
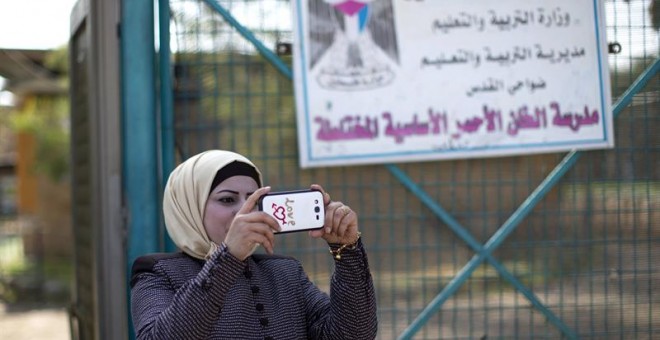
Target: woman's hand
251,228
341,222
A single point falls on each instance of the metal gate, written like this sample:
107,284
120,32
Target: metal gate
540,246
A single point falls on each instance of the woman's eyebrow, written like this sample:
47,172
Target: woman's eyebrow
229,191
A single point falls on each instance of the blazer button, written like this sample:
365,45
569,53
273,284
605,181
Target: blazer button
248,274
260,306
263,321
255,289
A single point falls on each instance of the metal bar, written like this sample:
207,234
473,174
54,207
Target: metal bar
636,87
532,200
166,108
563,327
463,275
140,164
247,34
436,208
139,140
567,163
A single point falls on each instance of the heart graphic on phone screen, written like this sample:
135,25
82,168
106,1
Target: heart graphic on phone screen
279,213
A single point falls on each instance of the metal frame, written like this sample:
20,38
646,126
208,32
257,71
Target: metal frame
166,130
484,252
107,108
100,18
139,143
140,151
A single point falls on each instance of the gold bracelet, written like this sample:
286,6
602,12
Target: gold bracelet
336,253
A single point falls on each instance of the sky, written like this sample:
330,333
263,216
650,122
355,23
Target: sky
34,24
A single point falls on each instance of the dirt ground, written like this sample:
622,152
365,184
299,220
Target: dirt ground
33,322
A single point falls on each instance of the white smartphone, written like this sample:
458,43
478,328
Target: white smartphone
296,210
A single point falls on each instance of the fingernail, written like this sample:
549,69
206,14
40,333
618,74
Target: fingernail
328,230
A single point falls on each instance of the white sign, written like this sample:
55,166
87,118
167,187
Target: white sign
381,81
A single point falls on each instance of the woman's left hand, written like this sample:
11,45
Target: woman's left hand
341,222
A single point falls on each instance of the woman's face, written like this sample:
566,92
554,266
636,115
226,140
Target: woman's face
224,202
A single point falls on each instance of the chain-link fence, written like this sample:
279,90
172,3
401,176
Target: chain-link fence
589,252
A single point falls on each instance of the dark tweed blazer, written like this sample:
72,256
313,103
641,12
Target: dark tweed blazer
175,296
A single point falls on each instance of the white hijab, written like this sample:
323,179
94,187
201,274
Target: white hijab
184,199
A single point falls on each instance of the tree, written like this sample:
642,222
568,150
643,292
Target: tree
45,118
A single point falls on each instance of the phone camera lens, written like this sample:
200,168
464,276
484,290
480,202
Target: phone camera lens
317,209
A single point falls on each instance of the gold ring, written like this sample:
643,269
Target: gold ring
346,210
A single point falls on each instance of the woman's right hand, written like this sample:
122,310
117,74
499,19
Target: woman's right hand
251,228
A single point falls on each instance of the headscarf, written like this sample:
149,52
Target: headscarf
185,195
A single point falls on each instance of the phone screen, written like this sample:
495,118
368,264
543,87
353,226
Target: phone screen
295,210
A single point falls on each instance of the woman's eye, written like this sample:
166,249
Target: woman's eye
226,200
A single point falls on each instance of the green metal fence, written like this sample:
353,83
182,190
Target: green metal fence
541,246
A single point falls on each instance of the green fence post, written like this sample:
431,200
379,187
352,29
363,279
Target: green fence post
166,107
139,152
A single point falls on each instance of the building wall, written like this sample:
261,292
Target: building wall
25,171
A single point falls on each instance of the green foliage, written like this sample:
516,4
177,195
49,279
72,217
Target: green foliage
46,119
24,281
58,61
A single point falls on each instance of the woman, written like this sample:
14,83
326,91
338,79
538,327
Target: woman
215,288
